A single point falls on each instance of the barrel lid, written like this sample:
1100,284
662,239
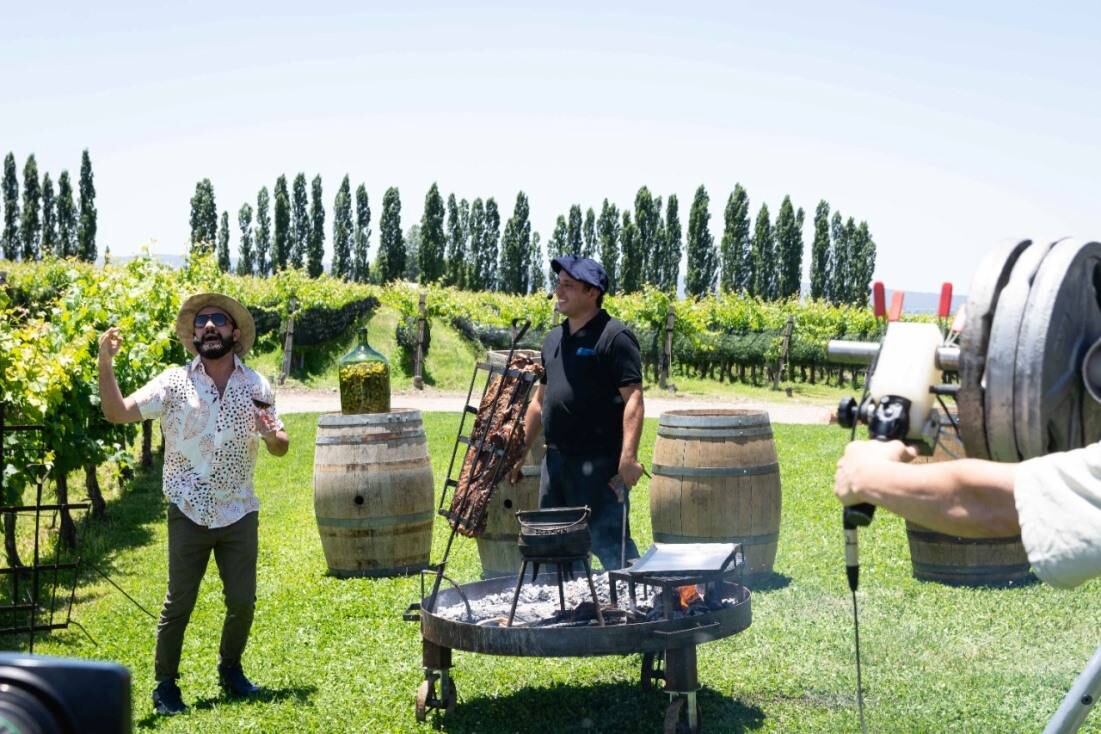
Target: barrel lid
714,418
399,415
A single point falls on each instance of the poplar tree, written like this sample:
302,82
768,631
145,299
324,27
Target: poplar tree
66,218
648,220
820,253
31,227
854,268
87,225
263,232
204,218
839,261
764,264
630,272
490,245
558,244
475,278
456,246
362,236
281,241
589,229
864,254
433,242
574,238
391,244
734,250
300,222
11,242
342,231
412,240
702,259
49,218
246,263
607,228
223,243
537,278
516,248
315,242
789,241
671,246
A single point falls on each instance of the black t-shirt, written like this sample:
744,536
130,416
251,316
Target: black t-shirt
582,407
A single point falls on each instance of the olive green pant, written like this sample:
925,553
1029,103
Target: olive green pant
189,548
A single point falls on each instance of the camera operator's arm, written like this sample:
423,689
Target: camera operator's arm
967,497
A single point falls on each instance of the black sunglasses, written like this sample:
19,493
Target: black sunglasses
218,319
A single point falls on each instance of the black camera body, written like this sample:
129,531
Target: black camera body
43,695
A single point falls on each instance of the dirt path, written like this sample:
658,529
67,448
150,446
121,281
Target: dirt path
328,401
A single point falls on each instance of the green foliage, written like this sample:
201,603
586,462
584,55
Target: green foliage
31,227
608,228
391,246
87,226
433,243
66,218
840,256
631,257
487,256
315,244
476,227
702,259
343,266
223,242
789,242
588,249
735,247
671,247
456,245
516,255
648,221
361,240
763,283
281,244
49,217
574,238
204,218
246,263
263,233
820,253
537,278
558,244
300,222
10,240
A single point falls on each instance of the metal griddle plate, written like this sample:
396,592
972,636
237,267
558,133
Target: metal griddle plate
986,286
1052,411
686,559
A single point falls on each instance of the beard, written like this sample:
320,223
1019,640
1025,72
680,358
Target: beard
214,346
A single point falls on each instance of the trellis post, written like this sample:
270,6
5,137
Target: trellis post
418,357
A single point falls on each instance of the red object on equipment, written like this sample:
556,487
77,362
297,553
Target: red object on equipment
879,300
895,313
945,308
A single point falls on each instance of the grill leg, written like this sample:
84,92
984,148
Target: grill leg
516,596
592,590
681,683
561,591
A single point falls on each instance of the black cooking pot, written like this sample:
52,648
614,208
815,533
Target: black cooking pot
556,533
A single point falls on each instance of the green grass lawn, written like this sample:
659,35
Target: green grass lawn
336,655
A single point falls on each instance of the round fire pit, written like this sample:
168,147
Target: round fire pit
668,645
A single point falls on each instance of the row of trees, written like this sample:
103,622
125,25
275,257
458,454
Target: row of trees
461,243
46,222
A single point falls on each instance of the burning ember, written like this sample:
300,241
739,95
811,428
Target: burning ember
688,595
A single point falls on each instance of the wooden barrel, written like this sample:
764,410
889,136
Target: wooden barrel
717,480
373,494
497,546
956,561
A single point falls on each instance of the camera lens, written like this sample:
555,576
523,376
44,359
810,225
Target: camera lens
24,712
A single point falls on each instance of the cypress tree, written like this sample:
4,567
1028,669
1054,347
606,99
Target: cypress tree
490,245
315,242
648,220
537,278
49,218
204,218
263,232
66,217
433,242
456,246
223,243
87,226
734,248
789,240
839,261
391,244
764,267
281,240
362,238
630,272
589,229
342,231
671,246
475,277
820,253
11,243
31,226
574,237
702,260
607,227
300,222
246,264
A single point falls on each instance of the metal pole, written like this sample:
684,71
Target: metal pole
1079,700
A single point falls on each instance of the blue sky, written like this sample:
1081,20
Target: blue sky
949,127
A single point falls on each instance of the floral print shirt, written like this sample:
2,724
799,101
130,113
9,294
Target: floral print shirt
210,440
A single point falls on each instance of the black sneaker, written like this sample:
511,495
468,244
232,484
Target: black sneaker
167,699
233,681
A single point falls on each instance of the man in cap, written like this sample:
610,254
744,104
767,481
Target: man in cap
211,412
589,404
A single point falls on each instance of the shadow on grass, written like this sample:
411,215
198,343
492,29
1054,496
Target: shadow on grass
767,582
604,707
296,694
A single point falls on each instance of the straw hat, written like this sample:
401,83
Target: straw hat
185,321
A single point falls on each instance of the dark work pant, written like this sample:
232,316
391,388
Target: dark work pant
573,481
189,547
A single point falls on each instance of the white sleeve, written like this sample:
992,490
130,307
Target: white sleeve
1058,500
151,396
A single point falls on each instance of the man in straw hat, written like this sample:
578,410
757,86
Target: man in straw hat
211,411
